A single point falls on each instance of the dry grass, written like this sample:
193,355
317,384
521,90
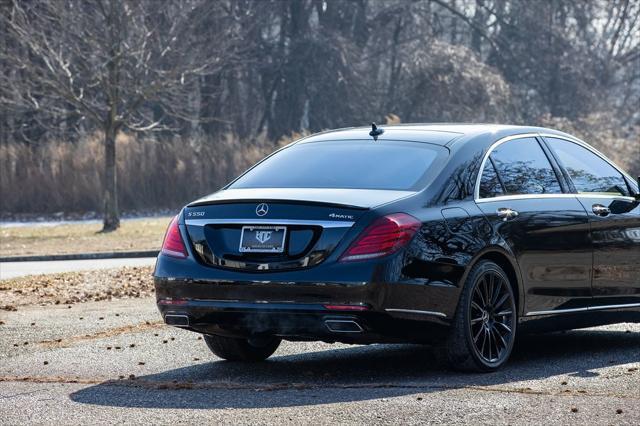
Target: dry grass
67,177
139,234
75,287
165,174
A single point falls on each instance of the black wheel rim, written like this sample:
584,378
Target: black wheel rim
492,318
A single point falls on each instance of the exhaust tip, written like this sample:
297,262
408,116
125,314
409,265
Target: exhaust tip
343,326
177,320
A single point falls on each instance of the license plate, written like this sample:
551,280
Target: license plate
262,239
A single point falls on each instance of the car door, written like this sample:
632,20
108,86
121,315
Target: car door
614,216
547,229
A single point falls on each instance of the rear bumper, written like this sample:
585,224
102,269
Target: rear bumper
293,304
292,311
294,321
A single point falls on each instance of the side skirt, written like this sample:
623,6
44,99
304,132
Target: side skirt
573,320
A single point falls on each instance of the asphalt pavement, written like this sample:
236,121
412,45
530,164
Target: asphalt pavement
114,362
20,269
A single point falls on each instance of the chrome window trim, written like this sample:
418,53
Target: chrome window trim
476,191
414,311
546,196
274,222
587,309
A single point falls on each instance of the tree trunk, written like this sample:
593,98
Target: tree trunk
479,21
111,220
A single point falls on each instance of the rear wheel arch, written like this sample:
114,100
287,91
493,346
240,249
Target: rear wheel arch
503,259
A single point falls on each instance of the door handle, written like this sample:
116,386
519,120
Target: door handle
600,210
506,213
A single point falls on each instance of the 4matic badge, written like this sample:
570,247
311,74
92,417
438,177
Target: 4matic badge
340,216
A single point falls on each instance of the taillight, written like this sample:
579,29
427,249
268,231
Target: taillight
173,244
384,236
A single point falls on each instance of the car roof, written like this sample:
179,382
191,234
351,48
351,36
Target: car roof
444,134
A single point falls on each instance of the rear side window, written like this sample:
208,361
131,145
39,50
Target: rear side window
589,173
345,164
490,185
518,167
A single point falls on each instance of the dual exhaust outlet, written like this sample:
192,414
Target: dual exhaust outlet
333,325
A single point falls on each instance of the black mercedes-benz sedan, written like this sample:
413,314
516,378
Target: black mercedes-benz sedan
457,235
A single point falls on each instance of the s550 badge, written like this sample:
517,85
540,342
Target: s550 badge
195,214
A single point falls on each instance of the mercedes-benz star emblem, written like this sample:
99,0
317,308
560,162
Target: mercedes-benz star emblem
262,209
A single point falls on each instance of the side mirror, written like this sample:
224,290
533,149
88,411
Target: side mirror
623,206
637,194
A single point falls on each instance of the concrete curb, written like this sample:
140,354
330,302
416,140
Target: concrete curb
81,256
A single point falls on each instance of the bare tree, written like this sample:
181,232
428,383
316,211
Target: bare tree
227,75
107,60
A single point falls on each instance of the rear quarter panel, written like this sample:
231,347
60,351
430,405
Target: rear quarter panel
430,274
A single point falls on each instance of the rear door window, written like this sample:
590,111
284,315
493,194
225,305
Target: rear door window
589,172
518,167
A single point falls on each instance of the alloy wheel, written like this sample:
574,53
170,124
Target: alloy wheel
492,317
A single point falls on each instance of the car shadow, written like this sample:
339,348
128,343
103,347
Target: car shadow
359,373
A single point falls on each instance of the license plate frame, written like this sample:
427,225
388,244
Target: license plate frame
257,246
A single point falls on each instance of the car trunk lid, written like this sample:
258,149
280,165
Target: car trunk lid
276,229
359,198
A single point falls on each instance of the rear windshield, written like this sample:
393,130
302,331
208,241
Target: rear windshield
345,164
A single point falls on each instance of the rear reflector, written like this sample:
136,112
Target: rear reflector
173,244
346,307
384,236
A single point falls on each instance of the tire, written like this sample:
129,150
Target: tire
233,349
483,334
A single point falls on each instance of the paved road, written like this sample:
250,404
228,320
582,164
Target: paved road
19,269
70,366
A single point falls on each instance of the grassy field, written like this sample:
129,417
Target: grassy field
139,234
